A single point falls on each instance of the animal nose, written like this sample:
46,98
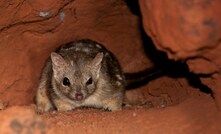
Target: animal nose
79,96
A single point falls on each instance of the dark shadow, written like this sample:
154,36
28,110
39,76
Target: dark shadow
138,79
134,7
162,65
195,82
169,67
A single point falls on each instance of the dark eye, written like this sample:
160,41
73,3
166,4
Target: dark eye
89,81
66,81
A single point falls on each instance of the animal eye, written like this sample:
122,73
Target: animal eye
66,81
89,81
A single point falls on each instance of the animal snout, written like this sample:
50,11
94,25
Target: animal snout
79,96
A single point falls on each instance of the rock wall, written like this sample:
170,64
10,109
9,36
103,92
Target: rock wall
31,29
188,31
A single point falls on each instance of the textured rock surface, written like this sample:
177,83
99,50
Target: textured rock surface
187,31
22,120
35,28
31,29
161,92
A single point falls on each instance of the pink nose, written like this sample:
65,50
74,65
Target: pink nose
78,96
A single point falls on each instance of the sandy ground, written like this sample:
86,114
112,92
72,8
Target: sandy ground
197,114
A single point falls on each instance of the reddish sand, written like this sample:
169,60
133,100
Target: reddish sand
197,114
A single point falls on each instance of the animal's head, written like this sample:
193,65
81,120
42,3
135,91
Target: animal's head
75,79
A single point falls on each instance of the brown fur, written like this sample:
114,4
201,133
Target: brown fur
79,62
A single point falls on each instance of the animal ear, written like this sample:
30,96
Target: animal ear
58,62
97,60
96,64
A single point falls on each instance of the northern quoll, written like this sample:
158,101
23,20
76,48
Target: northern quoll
81,73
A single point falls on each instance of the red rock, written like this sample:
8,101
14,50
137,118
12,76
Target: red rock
22,120
187,31
37,28
31,30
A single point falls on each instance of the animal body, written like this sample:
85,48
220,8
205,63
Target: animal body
81,73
